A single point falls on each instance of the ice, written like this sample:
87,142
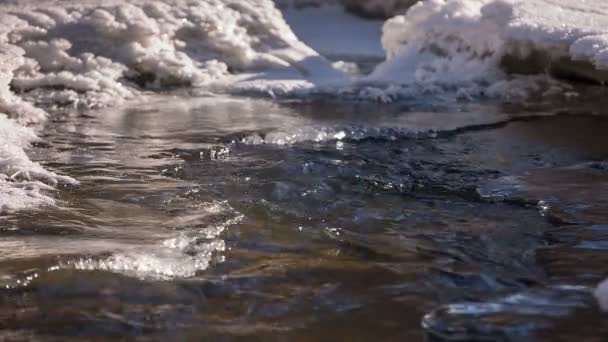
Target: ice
415,125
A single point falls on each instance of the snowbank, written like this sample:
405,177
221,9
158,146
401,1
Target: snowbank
462,41
95,52
98,52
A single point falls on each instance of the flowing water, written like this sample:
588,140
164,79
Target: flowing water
225,218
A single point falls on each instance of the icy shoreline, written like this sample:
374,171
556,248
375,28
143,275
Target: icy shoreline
91,54
94,53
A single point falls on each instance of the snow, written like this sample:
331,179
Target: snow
101,51
23,183
94,53
463,41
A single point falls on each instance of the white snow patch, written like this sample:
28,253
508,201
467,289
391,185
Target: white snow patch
462,41
23,183
97,51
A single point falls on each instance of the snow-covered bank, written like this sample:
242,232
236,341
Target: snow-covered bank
97,53
463,41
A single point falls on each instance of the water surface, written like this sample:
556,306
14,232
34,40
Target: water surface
230,218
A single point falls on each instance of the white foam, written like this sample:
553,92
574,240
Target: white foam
157,263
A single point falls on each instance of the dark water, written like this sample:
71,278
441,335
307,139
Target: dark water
236,219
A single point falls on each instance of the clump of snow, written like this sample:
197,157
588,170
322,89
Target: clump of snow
462,41
11,58
98,52
23,183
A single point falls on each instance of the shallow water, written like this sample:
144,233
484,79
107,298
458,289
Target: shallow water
227,218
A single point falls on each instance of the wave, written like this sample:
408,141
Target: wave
178,256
